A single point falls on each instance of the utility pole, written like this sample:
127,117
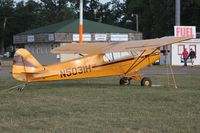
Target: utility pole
81,23
178,13
137,22
3,35
95,16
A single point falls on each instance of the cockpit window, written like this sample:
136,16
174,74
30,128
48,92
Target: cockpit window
108,57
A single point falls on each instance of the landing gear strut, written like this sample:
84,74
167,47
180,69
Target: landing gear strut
125,81
144,81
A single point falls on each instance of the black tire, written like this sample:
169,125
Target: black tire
124,81
146,82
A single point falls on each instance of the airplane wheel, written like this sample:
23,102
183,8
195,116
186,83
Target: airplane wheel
125,81
146,82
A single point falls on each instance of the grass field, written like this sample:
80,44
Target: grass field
101,106
6,62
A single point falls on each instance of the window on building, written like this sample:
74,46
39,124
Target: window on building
38,50
181,49
52,46
48,50
41,50
35,49
198,35
31,49
193,47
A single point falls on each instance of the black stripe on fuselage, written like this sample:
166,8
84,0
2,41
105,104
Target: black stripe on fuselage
115,62
111,63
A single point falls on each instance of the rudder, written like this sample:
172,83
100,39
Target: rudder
23,64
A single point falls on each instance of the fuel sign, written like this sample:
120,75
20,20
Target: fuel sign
182,31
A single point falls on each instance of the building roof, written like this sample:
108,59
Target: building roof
72,26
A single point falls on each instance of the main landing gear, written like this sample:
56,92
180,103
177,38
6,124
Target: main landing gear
125,81
145,81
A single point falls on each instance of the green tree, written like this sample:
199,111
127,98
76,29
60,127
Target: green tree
109,12
6,11
117,12
156,18
92,9
190,13
26,16
54,11
163,17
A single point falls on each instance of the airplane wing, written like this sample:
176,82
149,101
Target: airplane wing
145,44
85,48
118,47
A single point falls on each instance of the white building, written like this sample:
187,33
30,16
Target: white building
42,40
175,55
176,50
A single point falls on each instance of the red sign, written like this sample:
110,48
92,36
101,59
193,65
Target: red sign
181,31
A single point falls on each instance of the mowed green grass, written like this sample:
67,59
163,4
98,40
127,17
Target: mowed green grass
101,106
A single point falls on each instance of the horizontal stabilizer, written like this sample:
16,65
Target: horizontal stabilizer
24,63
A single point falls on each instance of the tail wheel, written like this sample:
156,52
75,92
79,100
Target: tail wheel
146,82
124,81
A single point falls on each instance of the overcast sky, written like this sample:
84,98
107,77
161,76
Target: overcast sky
102,1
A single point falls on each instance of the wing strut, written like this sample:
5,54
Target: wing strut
134,63
132,66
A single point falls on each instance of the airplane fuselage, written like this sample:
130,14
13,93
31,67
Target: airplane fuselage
94,66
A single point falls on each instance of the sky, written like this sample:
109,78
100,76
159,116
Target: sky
102,1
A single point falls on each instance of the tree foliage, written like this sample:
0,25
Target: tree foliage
53,11
6,12
156,18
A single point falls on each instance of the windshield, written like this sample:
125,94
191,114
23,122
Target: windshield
108,57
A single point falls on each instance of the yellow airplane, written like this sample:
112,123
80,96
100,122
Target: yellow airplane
95,63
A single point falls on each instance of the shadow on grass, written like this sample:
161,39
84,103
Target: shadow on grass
77,84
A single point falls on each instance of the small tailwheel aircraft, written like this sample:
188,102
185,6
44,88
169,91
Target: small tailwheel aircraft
95,61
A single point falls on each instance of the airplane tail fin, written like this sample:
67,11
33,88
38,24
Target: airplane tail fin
24,64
